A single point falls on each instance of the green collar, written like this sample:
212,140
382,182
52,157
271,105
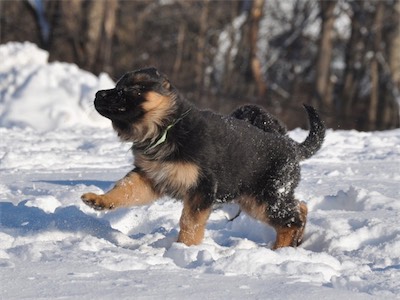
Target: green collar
163,137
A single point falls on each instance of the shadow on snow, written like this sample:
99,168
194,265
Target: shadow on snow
26,220
102,184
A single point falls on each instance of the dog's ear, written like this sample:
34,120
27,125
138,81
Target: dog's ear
161,77
164,79
166,84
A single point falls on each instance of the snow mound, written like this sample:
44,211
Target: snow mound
46,96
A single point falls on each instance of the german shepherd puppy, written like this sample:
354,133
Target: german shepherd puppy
205,158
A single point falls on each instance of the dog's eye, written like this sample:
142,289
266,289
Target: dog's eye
134,90
136,93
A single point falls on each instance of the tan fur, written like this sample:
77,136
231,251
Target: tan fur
157,108
252,208
192,222
285,237
180,176
291,236
303,215
133,189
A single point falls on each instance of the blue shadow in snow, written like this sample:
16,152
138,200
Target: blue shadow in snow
32,219
394,267
102,184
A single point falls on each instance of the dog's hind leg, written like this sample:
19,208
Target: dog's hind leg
303,215
288,218
134,189
290,233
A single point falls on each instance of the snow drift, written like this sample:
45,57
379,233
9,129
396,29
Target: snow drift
53,246
45,96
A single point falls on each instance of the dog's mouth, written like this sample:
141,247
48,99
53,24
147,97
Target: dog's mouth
110,109
110,103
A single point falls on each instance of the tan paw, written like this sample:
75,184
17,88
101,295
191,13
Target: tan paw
96,201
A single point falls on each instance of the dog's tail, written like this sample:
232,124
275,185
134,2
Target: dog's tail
315,137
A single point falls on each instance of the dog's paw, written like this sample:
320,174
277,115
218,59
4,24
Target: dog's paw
96,201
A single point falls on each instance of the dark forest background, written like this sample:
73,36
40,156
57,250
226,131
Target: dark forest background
343,57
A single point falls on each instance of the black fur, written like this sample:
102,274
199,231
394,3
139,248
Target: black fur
246,153
260,118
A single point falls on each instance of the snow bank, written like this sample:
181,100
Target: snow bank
46,96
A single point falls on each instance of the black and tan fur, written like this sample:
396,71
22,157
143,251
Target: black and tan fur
204,158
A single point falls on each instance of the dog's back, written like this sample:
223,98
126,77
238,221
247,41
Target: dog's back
260,118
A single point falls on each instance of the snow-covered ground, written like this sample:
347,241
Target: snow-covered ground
53,148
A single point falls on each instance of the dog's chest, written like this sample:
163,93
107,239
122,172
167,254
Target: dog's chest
172,178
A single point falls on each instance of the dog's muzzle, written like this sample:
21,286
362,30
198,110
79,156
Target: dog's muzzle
110,103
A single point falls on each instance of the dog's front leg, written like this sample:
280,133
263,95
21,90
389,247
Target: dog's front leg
134,189
193,221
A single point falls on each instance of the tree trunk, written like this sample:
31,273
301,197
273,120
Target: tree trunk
394,55
390,108
376,93
95,18
72,18
179,51
323,82
255,63
111,7
354,61
201,42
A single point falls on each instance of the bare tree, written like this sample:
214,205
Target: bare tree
88,28
255,62
374,65
389,62
354,61
323,93
201,43
394,49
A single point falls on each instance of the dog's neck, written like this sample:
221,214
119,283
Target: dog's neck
163,137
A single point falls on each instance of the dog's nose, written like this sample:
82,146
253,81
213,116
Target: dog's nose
101,94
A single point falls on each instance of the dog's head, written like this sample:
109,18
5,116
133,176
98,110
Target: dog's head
140,104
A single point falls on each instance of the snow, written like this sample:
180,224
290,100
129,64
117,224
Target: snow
53,246
46,96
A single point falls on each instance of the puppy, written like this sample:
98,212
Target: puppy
205,158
